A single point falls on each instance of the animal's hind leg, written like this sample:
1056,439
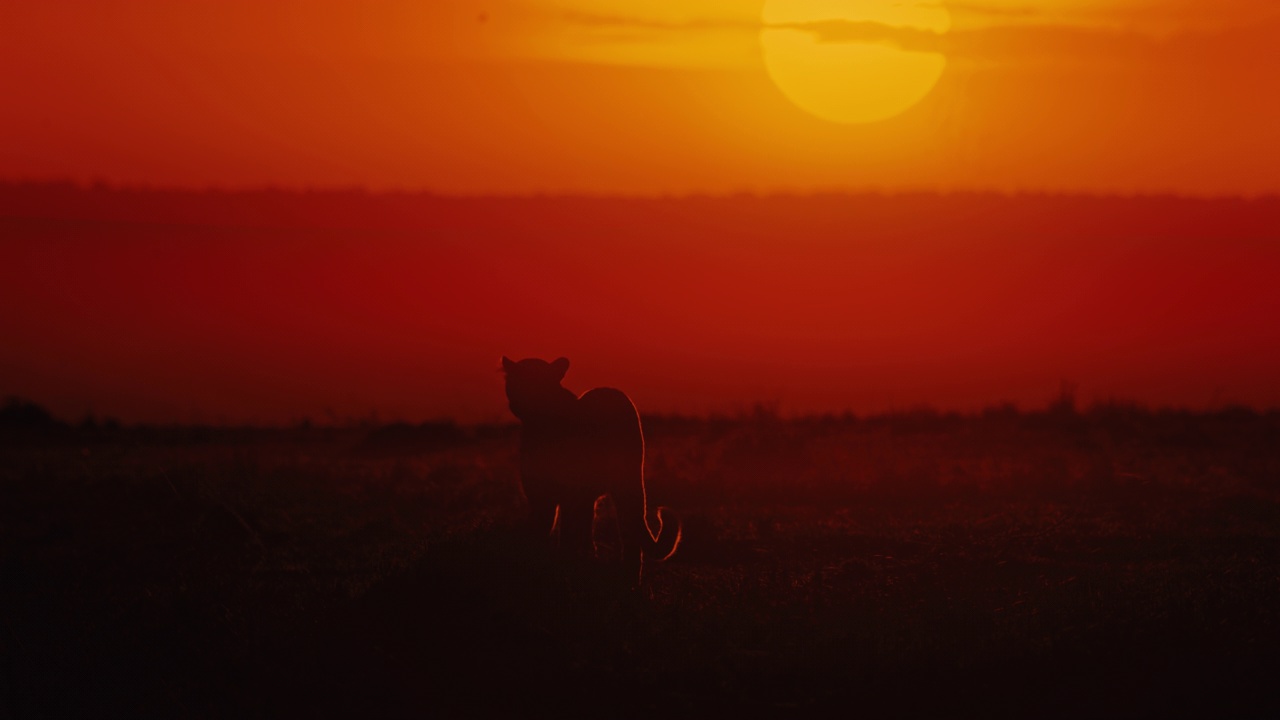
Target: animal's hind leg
606,536
633,531
542,518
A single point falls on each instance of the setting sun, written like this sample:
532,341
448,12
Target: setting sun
853,61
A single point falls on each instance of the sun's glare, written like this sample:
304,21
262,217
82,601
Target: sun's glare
846,60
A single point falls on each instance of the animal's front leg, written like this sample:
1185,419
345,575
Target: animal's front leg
576,517
633,532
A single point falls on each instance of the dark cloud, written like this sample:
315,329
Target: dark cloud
616,21
846,31
1013,42
833,31
980,10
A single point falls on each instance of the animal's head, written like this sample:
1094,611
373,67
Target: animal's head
533,386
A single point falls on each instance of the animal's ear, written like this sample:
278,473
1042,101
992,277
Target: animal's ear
561,366
507,364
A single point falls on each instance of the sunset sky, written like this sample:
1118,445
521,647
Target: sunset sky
726,251
632,96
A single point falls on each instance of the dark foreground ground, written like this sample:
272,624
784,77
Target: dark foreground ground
1114,563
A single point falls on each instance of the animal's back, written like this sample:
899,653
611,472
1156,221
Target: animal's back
609,404
609,409
612,439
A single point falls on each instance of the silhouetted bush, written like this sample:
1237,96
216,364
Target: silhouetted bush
22,414
403,437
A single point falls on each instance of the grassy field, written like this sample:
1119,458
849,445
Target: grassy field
1116,562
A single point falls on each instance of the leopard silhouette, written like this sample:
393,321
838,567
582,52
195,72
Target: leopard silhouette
575,450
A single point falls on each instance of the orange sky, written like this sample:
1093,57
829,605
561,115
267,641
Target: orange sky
176,306
627,96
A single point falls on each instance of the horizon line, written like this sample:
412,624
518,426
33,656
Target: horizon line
755,412
782,193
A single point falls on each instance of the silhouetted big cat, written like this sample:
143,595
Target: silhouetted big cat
575,450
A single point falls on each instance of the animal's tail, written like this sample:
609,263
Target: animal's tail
663,543
640,542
